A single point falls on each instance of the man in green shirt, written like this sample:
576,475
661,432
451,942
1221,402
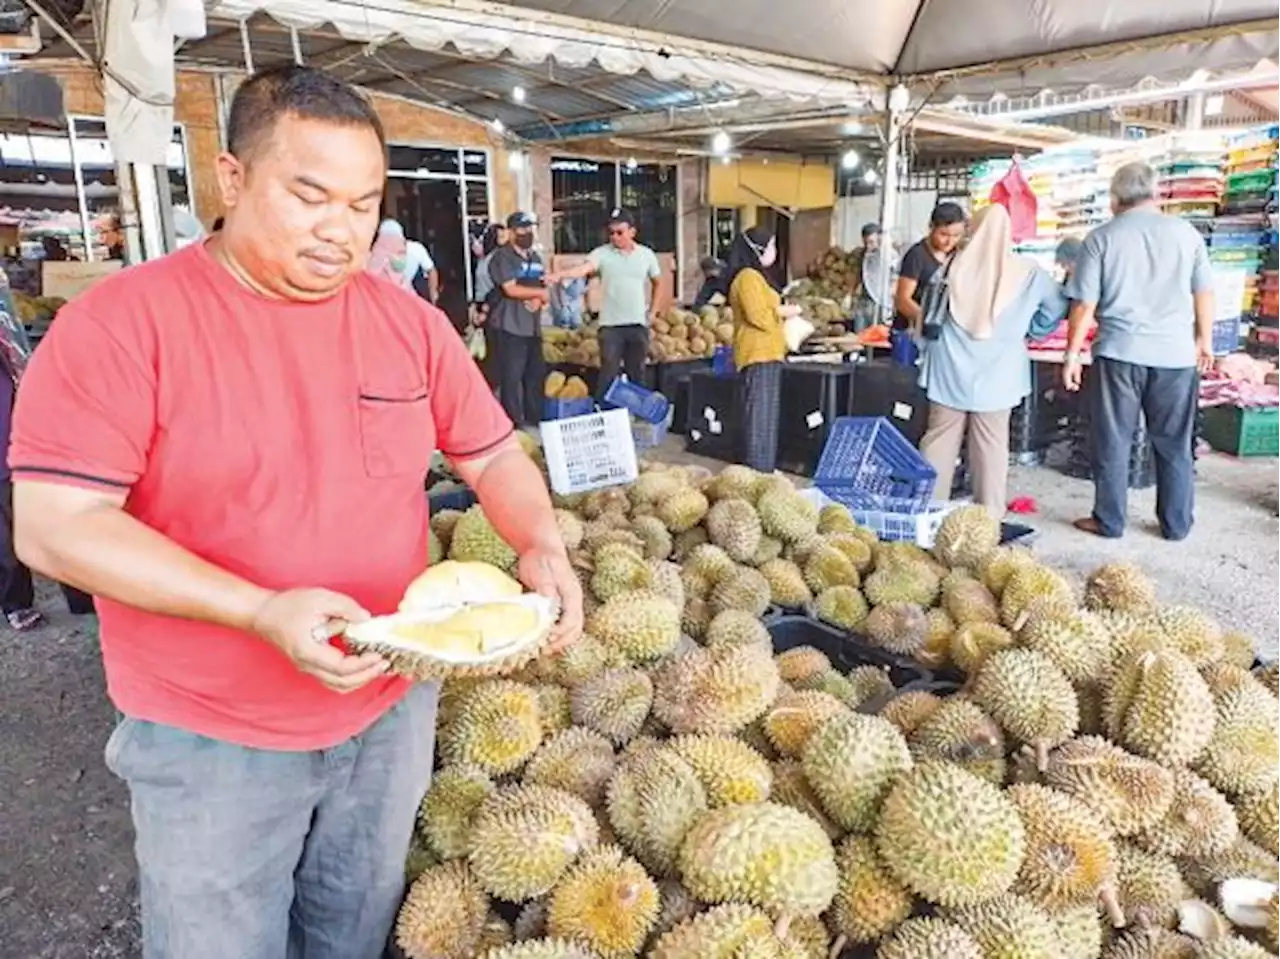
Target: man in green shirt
629,275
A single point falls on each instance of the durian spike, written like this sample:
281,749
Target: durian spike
1021,620
783,926
1201,921
837,947
1111,903
1245,901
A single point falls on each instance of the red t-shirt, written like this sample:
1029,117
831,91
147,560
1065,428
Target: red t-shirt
284,442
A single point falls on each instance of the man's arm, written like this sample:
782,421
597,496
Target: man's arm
584,270
903,302
1202,298
515,291
433,284
86,539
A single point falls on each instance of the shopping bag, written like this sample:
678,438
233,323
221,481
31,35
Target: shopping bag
1014,193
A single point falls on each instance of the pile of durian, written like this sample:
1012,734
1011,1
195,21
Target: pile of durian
1101,783
676,335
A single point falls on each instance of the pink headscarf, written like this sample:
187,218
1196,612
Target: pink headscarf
389,253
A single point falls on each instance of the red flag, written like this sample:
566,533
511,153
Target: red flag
1013,192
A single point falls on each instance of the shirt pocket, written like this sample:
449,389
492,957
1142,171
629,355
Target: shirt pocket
397,431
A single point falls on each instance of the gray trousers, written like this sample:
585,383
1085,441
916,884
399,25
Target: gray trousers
623,349
259,854
1119,393
988,453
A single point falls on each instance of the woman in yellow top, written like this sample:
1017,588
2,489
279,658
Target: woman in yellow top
759,346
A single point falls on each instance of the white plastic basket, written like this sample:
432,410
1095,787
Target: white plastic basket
589,452
919,528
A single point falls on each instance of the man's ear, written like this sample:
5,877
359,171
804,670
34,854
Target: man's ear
230,173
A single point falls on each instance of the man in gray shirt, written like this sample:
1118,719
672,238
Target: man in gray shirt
1146,278
629,277
516,317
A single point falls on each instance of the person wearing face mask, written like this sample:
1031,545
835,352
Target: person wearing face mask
759,346
515,314
923,260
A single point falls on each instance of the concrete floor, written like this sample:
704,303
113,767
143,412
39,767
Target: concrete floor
67,878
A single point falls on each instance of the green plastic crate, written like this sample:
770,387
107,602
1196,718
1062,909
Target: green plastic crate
1243,432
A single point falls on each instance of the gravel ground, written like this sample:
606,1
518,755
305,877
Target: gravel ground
67,884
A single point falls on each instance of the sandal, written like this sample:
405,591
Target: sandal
24,619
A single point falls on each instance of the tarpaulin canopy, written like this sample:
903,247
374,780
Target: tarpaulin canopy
928,36
492,30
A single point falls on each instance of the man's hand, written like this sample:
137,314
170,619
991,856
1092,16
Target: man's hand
296,622
1204,356
1072,375
547,572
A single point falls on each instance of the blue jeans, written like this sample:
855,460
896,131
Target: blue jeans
1119,395
259,854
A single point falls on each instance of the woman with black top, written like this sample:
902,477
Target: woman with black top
946,230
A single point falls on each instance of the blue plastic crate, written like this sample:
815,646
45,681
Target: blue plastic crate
648,405
563,409
1226,336
722,361
867,464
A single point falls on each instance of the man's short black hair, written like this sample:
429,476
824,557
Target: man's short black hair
947,214
301,91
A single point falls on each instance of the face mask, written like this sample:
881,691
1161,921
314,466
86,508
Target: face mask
769,256
523,240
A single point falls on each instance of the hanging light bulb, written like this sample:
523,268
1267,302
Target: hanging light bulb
631,164
720,143
850,160
497,124
870,177
518,94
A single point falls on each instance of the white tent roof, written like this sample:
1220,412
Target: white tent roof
825,50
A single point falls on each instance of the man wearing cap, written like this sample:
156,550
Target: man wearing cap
712,282
867,275
516,319
627,270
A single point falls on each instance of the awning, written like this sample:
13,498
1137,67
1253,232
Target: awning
494,30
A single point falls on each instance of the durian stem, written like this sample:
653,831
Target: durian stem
783,926
1042,755
837,947
1021,621
1111,903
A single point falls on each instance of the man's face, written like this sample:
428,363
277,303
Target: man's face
522,237
872,242
303,206
622,235
946,238
501,236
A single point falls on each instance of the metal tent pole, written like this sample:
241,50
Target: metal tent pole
894,117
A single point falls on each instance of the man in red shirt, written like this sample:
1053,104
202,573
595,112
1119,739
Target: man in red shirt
226,447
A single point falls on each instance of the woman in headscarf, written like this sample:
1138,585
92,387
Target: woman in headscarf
402,261
759,346
977,369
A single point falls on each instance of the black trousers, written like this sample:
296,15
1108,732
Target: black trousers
520,376
16,589
760,386
1167,398
622,349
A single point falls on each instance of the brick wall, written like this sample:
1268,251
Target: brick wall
195,107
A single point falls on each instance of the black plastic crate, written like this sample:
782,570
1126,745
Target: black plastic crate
883,388
845,650
717,395
814,395
673,383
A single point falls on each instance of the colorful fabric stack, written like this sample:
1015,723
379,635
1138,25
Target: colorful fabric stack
1190,167
1243,229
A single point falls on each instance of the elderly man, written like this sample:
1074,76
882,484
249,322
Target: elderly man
1146,278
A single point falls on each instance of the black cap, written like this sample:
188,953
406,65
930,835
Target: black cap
619,215
517,220
870,229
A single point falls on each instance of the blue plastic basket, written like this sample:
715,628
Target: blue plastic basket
450,497
563,409
867,464
722,361
648,405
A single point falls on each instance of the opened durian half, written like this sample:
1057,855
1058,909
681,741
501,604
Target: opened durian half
459,619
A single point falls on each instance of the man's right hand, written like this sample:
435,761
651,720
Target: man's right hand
1072,375
295,622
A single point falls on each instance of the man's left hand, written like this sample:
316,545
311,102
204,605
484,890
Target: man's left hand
1204,356
547,572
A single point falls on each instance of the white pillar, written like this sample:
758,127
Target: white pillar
895,113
